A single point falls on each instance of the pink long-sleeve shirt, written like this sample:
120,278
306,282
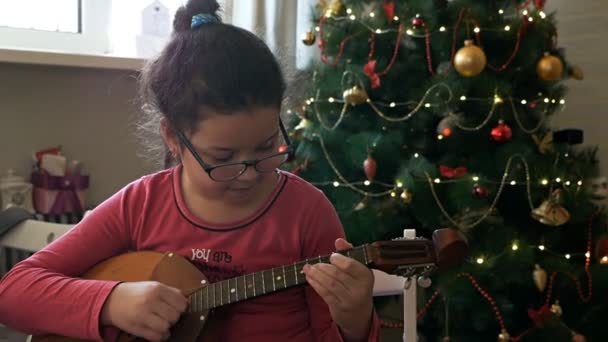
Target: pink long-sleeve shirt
43,294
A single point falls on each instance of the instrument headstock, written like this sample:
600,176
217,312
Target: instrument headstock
447,249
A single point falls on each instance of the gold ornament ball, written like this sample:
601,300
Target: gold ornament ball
504,336
355,96
407,196
549,68
470,60
557,309
308,38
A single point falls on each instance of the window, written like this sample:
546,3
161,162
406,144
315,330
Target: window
55,16
78,26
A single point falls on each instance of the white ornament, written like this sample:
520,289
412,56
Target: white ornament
16,192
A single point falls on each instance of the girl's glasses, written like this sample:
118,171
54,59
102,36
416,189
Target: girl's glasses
231,171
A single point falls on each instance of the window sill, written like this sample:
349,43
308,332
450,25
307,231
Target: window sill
55,58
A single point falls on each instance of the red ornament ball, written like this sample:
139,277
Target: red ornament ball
501,133
578,338
480,191
418,22
370,166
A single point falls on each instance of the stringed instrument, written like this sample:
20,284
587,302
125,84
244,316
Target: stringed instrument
407,257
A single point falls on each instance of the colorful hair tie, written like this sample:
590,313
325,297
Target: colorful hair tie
205,18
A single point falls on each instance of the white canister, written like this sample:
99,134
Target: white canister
16,192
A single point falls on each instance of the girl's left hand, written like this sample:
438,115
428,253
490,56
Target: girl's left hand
346,286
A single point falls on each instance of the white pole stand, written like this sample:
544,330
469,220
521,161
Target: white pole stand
409,301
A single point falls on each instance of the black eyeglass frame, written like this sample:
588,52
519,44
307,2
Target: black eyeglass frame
289,153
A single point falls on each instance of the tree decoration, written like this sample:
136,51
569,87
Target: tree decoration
501,133
480,191
449,172
370,167
418,22
550,212
601,250
309,38
389,10
355,96
549,68
540,278
470,60
557,309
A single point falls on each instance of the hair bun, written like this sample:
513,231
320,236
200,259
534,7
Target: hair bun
183,16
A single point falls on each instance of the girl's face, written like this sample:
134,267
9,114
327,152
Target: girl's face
236,137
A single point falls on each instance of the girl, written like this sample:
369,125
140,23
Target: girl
225,206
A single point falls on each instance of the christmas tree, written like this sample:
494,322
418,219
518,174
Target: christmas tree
430,114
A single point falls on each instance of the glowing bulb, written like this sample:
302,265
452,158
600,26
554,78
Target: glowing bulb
558,180
497,99
416,155
317,29
475,179
393,104
427,105
440,137
541,247
409,32
396,18
552,100
349,10
546,100
312,99
542,14
378,31
530,19
513,182
367,183
437,180
463,98
562,101
331,100
372,14
515,246
336,184
399,184
567,183
393,194
507,28
353,17
525,12
604,260
480,261
544,182
568,256
442,29
477,29
587,255
579,183
500,11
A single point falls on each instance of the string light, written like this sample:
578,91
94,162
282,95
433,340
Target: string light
507,28
513,182
480,260
475,179
525,12
399,184
477,29
530,19
442,29
544,182
437,180
336,184
500,11
396,18
416,155
523,102
579,183
541,247
352,17
515,246
604,260
378,31
562,101
409,32
367,183
349,10
568,256
372,14
463,98
542,14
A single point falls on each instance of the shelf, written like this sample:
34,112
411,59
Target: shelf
37,57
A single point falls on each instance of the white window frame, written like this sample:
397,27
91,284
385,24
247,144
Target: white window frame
93,40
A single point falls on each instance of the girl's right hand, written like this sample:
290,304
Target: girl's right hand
144,309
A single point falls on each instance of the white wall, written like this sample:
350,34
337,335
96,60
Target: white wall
89,112
582,29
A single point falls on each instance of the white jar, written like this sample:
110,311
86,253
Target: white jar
16,192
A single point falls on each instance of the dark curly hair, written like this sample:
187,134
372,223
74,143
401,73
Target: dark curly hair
217,66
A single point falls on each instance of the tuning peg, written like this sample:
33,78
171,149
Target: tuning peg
424,282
